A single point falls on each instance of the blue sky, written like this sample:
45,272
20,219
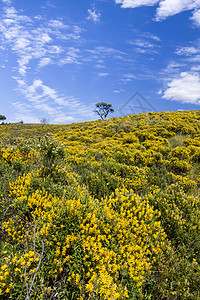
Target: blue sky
60,57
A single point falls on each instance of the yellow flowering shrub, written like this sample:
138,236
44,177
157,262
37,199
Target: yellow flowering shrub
104,209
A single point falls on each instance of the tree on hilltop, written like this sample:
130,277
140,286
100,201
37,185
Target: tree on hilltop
2,118
103,109
44,121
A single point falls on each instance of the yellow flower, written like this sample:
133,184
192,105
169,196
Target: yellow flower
17,270
4,267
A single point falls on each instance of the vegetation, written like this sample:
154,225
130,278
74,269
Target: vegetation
103,109
44,121
2,118
101,210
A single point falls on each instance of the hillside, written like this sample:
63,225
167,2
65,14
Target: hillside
101,210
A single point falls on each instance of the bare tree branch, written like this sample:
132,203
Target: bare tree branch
29,291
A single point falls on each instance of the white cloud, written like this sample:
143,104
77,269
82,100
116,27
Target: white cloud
94,15
196,17
170,7
145,42
191,53
100,66
46,100
45,61
166,8
195,58
146,35
36,39
101,52
127,78
58,24
7,1
63,119
135,3
195,68
45,38
71,56
151,36
172,70
188,51
118,91
185,88
12,16
101,56
130,75
44,107
50,4
142,44
22,111
39,94
103,74
38,42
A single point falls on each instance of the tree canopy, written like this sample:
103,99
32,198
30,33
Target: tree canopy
2,117
103,109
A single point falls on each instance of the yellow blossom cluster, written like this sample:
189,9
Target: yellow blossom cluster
12,154
116,236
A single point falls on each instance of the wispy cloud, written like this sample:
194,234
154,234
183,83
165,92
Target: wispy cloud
93,15
135,3
71,56
63,119
118,91
103,74
106,51
47,101
147,35
35,40
144,46
145,42
42,42
7,1
190,54
159,92
173,68
45,61
188,51
57,24
102,56
142,43
129,77
100,66
151,36
23,112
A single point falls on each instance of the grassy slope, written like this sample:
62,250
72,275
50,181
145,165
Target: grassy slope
106,209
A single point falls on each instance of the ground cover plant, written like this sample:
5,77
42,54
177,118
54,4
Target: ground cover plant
106,209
